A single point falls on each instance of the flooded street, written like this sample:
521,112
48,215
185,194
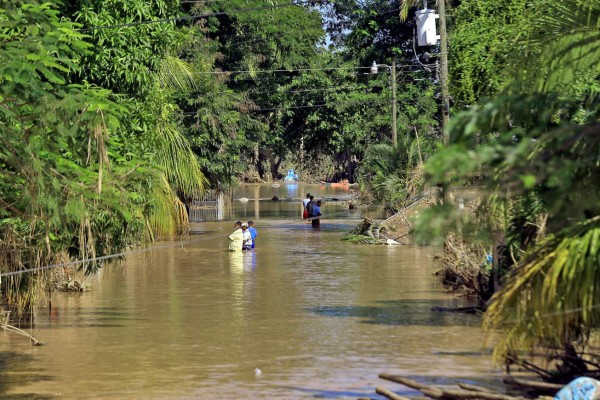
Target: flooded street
320,318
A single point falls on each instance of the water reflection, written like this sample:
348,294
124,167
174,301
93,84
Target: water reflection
401,312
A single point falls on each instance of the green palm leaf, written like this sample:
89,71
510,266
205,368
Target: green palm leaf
561,46
553,293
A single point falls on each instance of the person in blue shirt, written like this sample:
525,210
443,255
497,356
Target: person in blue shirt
316,213
310,205
252,232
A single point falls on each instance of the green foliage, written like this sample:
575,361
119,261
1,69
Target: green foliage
137,63
381,172
127,58
66,187
493,41
483,38
84,172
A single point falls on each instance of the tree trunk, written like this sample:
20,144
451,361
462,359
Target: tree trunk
260,168
498,254
275,167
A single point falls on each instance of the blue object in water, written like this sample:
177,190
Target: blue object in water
583,388
291,176
487,263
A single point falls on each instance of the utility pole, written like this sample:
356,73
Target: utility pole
394,127
392,69
444,69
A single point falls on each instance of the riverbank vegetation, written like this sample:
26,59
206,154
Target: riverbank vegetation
531,142
115,114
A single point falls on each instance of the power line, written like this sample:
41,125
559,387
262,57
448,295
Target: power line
320,105
201,1
260,71
191,17
297,70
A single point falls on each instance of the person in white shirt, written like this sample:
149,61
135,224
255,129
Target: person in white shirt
247,237
304,203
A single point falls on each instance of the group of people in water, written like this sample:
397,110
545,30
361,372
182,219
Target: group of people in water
243,236
312,210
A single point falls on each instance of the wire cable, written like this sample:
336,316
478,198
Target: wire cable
101,258
278,70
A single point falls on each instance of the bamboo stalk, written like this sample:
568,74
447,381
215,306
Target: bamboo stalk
412,384
390,395
463,394
532,384
437,393
473,388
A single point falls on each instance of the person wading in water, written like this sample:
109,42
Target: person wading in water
309,206
253,232
304,204
237,237
247,237
316,211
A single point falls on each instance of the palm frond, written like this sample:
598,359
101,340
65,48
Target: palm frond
407,5
561,46
169,215
179,162
176,74
553,293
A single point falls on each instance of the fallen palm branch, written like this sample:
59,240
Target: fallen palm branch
370,232
14,329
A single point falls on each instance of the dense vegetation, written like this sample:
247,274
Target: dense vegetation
115,112
529,72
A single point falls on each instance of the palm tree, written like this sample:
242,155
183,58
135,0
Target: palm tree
180,170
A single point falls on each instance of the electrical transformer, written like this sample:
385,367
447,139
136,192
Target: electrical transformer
426,33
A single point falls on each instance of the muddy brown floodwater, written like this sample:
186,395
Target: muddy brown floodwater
319,318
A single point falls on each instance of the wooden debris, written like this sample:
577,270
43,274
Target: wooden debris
403,381
465,394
